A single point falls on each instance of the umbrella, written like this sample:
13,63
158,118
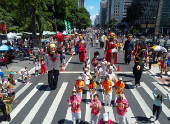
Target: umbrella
159,48
13,72
10,48
4,48
67,36
44,40
11,36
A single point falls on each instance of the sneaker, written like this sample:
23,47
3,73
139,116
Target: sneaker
139,86
156,122
25,83
35,75
15,101
154,116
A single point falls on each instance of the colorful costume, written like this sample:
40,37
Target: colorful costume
81,52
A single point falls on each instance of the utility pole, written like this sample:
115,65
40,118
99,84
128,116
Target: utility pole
158,19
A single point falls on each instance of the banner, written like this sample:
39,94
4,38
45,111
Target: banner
2,27
69,27
66,26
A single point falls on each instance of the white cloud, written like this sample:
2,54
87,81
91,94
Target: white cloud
93,17
91,7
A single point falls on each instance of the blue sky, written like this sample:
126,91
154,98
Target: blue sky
93,6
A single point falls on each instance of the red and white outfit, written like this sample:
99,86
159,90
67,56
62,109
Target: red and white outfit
76,114
95,111
60,46
82,51
109,49
43,70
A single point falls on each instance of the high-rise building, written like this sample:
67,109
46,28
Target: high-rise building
109,6
81,3
97,20
115,9
103,11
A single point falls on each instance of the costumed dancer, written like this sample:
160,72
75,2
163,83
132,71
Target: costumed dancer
52,64
92,88
105,119
79,85
107,86
82,51
43,70
60,39
110,49
76,39
139,64
96,107
74,102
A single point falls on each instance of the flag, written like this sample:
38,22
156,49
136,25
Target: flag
66,26
69,27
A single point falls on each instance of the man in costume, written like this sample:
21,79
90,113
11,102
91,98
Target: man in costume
110,49
128,48
52,64
139,64
79,85
76,39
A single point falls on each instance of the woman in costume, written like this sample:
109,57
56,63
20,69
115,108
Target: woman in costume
81,52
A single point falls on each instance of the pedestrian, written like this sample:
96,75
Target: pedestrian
97,41
88,61
4,103
98,73
122,106
119,86
150,61
107,87
79,85
92,42
94,63
28,52
157,106
108,68
163,67
96,107
128,49
86,78
74,102
92,88
86,67
36,67
105,119
64,58
43,70
139,64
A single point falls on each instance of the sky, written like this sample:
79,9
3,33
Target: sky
93,6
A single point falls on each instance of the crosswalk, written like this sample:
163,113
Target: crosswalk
50,116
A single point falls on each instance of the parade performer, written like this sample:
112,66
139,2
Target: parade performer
107,86
96,107
92,88
119,86
86,67
82,51
94,62
98,73
128,49
110,49
83,41
139,64
109,67
105,119
104,66
122,106
60,39
86,78
76,39
43,70
52,63
112,76
74,102
79,84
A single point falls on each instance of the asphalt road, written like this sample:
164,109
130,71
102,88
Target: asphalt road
37,105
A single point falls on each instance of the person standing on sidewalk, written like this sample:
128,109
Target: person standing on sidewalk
122,106
157,106
128,48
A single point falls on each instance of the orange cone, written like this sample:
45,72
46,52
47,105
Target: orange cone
62,69
72,55
119,68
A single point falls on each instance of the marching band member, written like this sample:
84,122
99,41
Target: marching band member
110,49
122,106
104,66
79,84
112,76
86,67
119,85
96,107
107,86
98,73
105,119
108,68
92,88
74,102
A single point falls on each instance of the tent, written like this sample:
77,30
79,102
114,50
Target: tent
11,36
44,40
6,48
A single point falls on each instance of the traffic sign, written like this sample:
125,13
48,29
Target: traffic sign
156,33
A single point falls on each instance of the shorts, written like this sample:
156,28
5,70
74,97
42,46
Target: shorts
36,68
64,61
11,94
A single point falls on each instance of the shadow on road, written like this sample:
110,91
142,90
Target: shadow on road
75,63
43,88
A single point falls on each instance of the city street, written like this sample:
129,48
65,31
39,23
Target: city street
38,105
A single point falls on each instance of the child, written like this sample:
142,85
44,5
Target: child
26,75
88,61
64,58
36,67
43,71
150,61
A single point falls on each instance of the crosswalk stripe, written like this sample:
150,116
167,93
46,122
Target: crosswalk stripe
160,88
141,101
22,90
150,93
88,109
166,87
24,101
49,117
129,115
36,107
108,109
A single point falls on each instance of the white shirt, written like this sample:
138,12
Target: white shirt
107,70
86,77
103,65
111,76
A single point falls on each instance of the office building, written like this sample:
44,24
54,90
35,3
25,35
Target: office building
103,11
115,9
109,6
81,3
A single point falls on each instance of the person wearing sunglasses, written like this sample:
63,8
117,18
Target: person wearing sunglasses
122,106
157,106
105,119
74,102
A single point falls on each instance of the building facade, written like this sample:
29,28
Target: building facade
103,11
81,3
115,8
109,6
97,20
